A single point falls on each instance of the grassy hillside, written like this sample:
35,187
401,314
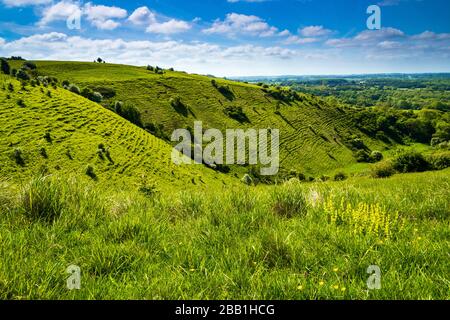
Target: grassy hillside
313,133
297,241
53,130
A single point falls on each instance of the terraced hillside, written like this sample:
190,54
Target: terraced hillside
313,133
54,130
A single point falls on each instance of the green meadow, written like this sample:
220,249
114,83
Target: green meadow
86,179
295,241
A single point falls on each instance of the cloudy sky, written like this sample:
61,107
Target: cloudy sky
233,37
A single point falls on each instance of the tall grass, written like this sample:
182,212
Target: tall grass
297,241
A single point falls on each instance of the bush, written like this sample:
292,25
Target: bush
179,106
18,157
10,87
96,97
236,113
106,92
42,199
376,156
383,170
411,162
23,75
91,95
90,171
21,103
439,161
340,176
43,152
29,65
129,112
48,137
362,156
246,179
73,88
65,83
5,68
288,201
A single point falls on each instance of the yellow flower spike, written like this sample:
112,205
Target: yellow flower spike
335,287
336,269
343,289
300,287
321,283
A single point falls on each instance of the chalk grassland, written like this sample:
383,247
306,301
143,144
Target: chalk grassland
54,130
312,132
295,241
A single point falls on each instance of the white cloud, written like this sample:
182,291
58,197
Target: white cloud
315,31
101,16
2,41
192,56
24,3
368,38
59,12
299,40
241,24
144,16
169,27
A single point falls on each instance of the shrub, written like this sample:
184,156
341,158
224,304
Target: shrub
439,161
90,171
357,144
129,112
288,201
179,106
18,157
10,87
236,113
42,199
48,137
340,176
29,65
21,103
14,72
362,156
23,75
410,162
91,95
96,97
246,179
150,68
106,92
5,68
225,91
383,170
376,156
65,83
73,88
43,152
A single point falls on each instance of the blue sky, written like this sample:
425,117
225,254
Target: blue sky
234,37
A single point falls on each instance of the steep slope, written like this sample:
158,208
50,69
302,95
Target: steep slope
313,133
54,130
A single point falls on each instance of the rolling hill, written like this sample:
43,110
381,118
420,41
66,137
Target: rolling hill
53,130
313,133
